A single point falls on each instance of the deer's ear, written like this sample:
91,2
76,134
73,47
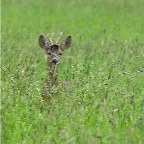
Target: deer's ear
66,43
42,42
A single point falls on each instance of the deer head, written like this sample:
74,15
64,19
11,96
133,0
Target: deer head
53,50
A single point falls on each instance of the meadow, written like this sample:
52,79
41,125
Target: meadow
105,67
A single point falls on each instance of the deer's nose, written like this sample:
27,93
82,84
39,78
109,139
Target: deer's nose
54,61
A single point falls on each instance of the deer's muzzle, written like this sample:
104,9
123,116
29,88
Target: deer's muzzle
54,61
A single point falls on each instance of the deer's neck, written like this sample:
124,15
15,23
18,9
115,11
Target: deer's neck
52,75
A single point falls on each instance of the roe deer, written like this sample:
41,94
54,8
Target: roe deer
54,53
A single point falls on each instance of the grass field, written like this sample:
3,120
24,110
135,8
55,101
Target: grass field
105,68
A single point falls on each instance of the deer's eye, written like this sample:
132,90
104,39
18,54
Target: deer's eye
49,53
60,54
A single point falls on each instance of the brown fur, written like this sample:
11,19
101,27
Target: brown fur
54,52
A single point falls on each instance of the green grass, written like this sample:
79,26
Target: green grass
105,66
